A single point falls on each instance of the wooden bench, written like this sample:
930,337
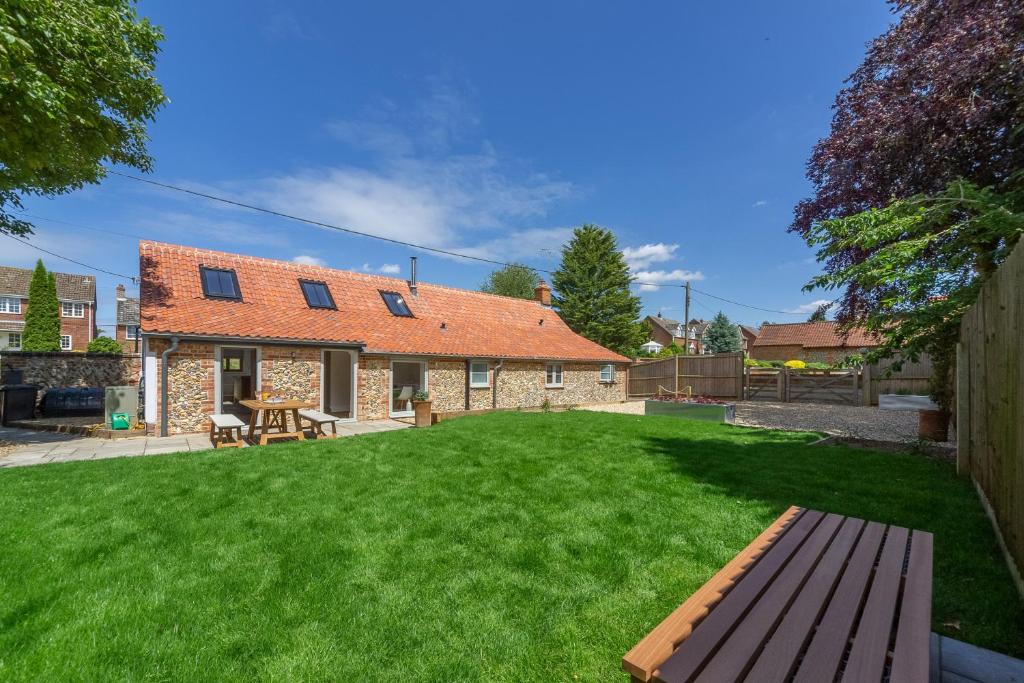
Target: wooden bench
816,596
222,431
317,420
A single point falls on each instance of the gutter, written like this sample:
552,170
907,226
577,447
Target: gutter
281,341
163,384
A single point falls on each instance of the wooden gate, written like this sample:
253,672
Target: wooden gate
823,386
766,384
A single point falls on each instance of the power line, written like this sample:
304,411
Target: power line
133,278
737,303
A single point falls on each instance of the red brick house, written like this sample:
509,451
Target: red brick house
127,330
76,295
748,335
666,331
358,345
819,342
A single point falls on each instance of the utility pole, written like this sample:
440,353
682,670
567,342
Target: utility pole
686,321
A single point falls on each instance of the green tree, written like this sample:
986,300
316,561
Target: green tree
592,291
722,336
103,344
514,279
42,319
818,316
76,91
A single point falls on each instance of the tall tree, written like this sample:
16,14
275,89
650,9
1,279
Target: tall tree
818,316
722,335
592,291
42,319
76,91
514,279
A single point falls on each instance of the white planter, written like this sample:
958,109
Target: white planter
903,402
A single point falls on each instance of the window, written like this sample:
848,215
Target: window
607,373
10,305
554,375
231,360
14,340
396,304
317,295
65,342
131,332
479,374
69,310
219,283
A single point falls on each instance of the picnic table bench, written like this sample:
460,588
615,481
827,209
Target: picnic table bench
816,597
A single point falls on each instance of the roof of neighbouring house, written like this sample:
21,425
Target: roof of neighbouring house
752,331
70,287
672,326
447,321
128,311
822,334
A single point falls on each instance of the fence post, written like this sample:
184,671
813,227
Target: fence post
856,394
865,379
782,384
675,381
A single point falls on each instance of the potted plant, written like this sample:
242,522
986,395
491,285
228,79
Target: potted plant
421,406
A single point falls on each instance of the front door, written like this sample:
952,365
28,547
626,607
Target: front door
407,377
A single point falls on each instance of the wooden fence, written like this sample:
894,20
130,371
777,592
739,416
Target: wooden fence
911,378
794,385
990,402
719,375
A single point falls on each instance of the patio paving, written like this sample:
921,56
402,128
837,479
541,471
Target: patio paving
37,448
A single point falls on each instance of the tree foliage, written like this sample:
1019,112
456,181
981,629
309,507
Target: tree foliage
42,319
592,291
722,336
76,90
819,314
103,344
515,279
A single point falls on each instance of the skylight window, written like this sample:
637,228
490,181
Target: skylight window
317,295
219,283
396,304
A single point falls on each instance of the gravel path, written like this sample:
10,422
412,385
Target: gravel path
859,422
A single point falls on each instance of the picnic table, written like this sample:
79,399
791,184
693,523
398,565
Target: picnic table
274,422
815,597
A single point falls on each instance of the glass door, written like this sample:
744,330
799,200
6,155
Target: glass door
407,377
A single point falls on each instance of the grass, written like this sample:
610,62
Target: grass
500,547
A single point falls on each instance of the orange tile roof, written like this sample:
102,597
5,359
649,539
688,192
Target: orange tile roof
476,325
823,334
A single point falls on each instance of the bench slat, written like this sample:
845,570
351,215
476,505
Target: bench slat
910,659
871,642
734,657
223,421
696,650
821,661
656,646
778,659
317,416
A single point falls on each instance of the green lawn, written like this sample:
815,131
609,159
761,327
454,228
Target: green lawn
515,546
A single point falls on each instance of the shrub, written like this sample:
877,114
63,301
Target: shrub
795,364
421,395
103,344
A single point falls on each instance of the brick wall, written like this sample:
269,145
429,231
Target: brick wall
190,385
128,345
80,329
62,369
789,352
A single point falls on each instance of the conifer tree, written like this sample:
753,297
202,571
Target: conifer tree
42,319
722,336
592,291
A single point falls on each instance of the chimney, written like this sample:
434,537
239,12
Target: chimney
542,293
412,275
120,293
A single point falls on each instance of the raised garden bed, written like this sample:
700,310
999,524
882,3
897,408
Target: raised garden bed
697,408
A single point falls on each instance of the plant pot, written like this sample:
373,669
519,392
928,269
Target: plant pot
933,425
422,410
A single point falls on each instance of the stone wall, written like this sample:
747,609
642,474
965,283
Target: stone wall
372,387
72,369
291,371
190,387
447,384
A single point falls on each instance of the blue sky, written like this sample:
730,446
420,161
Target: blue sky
489,129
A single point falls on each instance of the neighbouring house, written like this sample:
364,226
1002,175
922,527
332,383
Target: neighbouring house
127,331
76,295
748,335
820,342
359,346
666,331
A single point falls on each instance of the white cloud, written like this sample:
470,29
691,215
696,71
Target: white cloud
759,203
643,256
650,279
385,268
307,260
809,308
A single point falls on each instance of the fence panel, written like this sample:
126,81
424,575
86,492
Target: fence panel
645,378
911,378
990,401
718,375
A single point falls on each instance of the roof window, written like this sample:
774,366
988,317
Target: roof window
219,283
396,304
317,295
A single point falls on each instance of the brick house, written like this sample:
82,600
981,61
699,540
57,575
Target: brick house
819,342
748,335
76,295
357,345
126,331
666,331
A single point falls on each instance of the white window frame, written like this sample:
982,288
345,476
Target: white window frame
77,309
10,304
554,369
473,384
10,340
131,332
70,342
610,368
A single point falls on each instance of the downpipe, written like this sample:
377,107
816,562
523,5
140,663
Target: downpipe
494,389
163,384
